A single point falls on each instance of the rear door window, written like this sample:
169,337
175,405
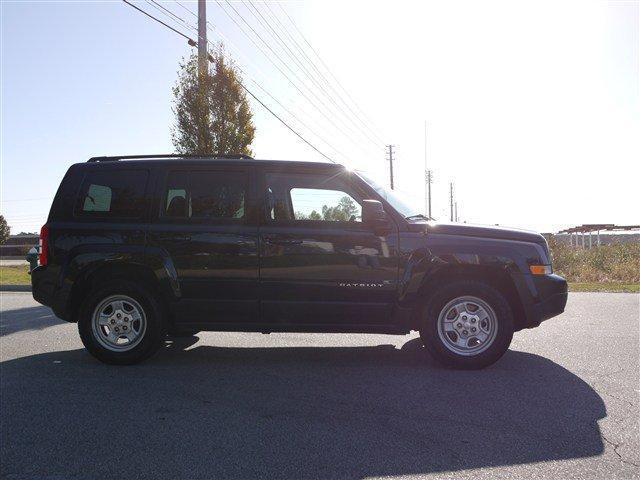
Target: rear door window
115,193
205,195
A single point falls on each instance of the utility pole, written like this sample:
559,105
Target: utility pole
202,38
390,153
451,200
203,70
456,211
428,177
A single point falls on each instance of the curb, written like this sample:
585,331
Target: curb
15,288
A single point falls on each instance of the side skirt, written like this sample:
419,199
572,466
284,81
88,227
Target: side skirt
307,328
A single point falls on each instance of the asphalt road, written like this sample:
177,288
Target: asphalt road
562,403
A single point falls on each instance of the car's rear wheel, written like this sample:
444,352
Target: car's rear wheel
121,323
467,324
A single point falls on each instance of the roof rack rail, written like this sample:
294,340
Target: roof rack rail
167,155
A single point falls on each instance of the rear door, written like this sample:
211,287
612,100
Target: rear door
206,225
319,264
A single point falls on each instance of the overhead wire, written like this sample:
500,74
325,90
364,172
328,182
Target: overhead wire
263,89
192,42
267,26
323,63
332,121
313,65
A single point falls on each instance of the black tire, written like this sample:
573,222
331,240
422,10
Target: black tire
436,346
154,334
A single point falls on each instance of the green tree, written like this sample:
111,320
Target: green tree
212,113
315,215
4,230
342,212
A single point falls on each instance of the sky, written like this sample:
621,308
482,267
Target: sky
532,108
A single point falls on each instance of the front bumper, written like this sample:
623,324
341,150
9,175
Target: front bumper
550,307
551,297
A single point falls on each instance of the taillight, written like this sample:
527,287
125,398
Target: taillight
43,259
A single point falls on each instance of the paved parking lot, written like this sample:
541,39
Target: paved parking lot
562,403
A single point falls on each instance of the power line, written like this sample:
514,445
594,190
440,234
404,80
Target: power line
168,13
285,123
192,42
323,63
189,40
318,71
294,84
159,6
267,26
214,29
298,119
174,16
267,44
318,124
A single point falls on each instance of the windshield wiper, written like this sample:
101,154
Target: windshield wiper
419,215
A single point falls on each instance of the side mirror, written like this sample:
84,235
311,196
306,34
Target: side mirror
374,216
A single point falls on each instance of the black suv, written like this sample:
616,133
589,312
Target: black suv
138,248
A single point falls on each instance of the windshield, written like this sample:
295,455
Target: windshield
397,201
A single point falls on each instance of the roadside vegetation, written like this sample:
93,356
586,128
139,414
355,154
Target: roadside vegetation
614,268
15,275
605,287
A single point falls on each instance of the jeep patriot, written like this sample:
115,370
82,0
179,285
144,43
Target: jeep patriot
140,247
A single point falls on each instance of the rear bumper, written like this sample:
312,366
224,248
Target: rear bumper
45,290
42,286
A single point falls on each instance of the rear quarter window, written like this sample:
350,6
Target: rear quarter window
112,194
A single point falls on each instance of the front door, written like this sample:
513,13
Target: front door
319,264
205,226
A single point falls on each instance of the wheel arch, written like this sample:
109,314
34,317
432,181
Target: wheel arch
90,278
496,277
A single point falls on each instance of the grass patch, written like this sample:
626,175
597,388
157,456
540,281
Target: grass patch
15,275
605,287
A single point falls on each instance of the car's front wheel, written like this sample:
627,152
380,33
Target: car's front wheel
121,323
467,324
